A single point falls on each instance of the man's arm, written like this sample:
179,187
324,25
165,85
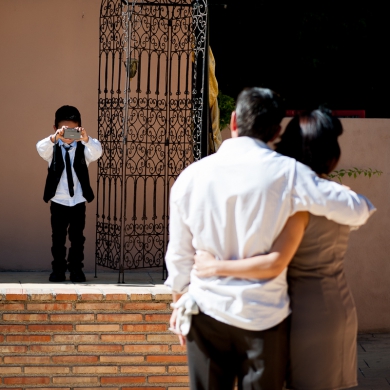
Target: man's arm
327,198
180,253
179,258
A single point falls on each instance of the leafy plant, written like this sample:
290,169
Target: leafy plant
354,172
226,106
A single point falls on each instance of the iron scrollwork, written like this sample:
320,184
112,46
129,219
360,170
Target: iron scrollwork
151,101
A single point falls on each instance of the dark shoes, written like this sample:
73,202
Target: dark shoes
77,276
57,276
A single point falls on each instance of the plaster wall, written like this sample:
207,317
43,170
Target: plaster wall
49,57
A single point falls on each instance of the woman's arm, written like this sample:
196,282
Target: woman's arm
258,267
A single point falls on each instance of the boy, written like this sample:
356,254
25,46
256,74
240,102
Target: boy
68,188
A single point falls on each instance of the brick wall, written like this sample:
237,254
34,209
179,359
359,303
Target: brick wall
67,339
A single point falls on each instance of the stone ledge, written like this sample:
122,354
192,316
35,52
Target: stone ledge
84,293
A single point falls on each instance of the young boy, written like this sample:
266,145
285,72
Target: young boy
68,188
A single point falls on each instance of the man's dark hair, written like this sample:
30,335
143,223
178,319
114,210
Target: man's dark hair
67,113
259,112
311,138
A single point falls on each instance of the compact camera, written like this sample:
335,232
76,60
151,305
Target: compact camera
72,134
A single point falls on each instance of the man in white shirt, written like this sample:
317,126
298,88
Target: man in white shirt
234,204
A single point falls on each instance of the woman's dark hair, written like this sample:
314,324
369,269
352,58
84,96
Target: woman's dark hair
259,112
67,113
311,138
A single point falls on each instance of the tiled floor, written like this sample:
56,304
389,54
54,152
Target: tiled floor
142,278
374,361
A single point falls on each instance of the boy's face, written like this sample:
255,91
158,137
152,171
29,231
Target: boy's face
69,124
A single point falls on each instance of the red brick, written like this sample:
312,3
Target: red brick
135,388
74,359
121,379
100,348
121,359
95,370
157,317
51,388
41,296
28,339
139,294
178,369
25,317
116,297
167,359
76,338
163,297
10,370
46,370
119,317
66,296
25,380
12,306
92,296
122,337
75,379
179,348
26,359
98,306
143,369
15,294
146,306
167,338
146,348
97,328
168,379
178,388
13,349
1,338
49,306
72,317
50,328
52,348
145,328
12,328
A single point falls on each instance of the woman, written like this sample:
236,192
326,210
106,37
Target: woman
323,324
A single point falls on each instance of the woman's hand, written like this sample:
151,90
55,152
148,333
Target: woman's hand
205,264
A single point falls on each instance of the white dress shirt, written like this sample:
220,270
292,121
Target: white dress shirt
92,151
234,204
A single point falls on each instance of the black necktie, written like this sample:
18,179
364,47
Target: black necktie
69,171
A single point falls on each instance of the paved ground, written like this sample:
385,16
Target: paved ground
373,349
374,361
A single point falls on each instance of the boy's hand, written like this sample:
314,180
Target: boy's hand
84,135
59,134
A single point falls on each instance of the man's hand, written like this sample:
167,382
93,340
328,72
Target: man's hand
205,264
172,321
172,328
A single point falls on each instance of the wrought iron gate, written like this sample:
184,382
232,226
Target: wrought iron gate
153,105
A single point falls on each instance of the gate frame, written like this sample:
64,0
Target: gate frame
121,44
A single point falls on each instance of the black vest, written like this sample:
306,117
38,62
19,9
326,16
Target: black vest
79,166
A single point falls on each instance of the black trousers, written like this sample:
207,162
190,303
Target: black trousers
218,353
67,220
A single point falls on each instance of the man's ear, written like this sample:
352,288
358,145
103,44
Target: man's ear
233,125
54,127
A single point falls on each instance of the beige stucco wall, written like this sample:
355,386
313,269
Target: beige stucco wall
49,57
